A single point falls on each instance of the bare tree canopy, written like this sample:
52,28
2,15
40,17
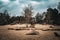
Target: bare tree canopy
28,13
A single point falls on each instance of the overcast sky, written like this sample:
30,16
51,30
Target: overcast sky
15,7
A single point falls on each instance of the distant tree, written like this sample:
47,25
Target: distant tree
17,19
28,14
22,19
49,17
4,18
58,6
7,17
44,17
58,19
12,19
39,18
1,19
55,15
52,15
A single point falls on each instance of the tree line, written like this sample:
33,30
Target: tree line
51,16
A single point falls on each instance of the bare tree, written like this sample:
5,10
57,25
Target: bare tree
28,14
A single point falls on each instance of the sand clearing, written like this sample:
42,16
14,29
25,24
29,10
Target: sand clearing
6,34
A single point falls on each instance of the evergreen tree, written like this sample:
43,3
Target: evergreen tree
39,18
58,6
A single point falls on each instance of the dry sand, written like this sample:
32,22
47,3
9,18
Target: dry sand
6,34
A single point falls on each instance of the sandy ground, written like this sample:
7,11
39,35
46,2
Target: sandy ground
6,34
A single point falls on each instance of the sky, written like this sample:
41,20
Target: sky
15,7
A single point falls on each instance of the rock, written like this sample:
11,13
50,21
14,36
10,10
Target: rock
33,33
